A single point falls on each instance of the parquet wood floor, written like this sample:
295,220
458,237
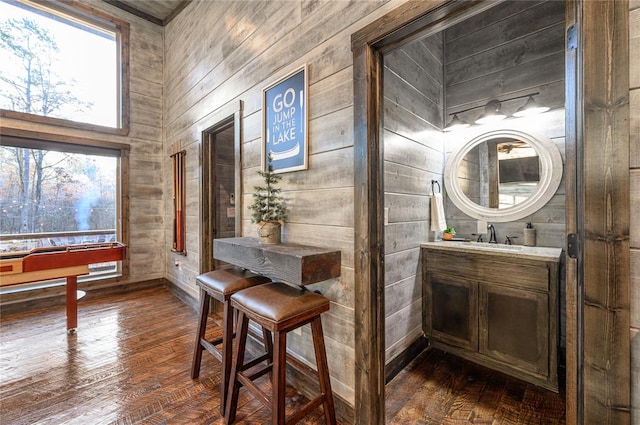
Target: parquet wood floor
130,360
438,388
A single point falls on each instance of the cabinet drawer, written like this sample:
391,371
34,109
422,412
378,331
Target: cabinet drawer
490,269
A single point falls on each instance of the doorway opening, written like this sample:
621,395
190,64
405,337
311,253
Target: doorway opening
220,189
381,196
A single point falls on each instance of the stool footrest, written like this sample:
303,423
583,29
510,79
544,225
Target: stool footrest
300,366
260,372
220,285
279,309
210,346
256,361
260,395
306,409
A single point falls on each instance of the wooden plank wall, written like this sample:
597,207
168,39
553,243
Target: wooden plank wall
218,55
512,49
413,156
147,233
225,209
606,217
634,164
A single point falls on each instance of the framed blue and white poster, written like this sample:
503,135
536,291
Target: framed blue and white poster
284,131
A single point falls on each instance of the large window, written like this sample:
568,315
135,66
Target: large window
58,194
63,64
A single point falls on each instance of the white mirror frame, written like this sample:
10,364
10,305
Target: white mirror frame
550,176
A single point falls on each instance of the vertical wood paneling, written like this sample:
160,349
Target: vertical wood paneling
635,375
606,212
369,237
634,164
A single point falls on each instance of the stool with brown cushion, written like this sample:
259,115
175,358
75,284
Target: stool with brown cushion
279,308
220,284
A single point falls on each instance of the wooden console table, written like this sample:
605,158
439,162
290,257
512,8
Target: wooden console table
286,262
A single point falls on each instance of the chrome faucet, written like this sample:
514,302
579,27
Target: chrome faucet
509,240
492,230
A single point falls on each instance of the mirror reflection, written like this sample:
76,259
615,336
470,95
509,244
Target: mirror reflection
499,173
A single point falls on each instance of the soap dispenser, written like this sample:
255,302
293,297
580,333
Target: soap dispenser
529,235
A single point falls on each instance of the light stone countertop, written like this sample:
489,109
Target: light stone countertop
512,251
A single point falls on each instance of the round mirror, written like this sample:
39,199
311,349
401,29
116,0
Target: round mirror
503,175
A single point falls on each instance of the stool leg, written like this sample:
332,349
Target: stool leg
268,343
323,371
279,378
227,344
238,362
202,327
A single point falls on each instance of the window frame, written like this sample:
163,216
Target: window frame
41,140
103,20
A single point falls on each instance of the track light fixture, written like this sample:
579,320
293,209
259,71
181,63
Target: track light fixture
456,124
530,108
493,112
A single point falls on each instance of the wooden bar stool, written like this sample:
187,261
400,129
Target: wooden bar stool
220,284
279,308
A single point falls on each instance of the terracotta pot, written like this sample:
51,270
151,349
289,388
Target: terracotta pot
447,236
269,233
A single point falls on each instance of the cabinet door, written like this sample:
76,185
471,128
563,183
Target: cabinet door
451,308
514,327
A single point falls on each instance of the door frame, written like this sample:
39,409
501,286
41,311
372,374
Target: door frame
403,25
227,116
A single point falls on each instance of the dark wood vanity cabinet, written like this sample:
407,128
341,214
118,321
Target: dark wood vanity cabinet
496,309
514,328
453,304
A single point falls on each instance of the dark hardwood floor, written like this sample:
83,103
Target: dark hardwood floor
130,360
438,388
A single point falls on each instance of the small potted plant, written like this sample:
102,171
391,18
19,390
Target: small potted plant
269,208
449,233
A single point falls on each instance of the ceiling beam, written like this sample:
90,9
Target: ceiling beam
134,11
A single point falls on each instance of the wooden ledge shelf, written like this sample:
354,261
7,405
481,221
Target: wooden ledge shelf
286,262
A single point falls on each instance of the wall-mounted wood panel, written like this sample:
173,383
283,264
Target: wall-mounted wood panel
145,178
606,216
235,51
634,234
514,48
413,156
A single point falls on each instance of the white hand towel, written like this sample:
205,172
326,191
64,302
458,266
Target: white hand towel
438,222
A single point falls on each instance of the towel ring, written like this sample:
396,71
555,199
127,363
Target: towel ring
433,183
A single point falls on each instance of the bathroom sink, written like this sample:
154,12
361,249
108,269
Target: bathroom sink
493,246
520,251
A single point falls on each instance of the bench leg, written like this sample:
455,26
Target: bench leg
238,362
72,303
202,327
227,353
279,378
323,371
